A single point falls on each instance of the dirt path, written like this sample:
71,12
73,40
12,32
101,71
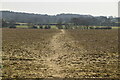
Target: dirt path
56,48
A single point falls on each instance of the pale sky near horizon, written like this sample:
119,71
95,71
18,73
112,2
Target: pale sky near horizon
107,8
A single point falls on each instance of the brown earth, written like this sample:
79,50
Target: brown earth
60,53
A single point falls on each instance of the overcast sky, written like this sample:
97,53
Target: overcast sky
102,8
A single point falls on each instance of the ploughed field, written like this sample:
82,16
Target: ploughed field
36,53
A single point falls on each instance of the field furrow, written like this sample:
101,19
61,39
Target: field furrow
35,53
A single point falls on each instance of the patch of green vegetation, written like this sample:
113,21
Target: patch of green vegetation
115,27
100,26
53,26
22,26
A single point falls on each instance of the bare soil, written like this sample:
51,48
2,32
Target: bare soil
60,53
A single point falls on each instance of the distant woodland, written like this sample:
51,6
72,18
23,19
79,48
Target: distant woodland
75,19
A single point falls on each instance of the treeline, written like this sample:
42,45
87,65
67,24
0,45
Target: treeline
95,21
6,24
9,18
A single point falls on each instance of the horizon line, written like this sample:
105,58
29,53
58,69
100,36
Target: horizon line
57,14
